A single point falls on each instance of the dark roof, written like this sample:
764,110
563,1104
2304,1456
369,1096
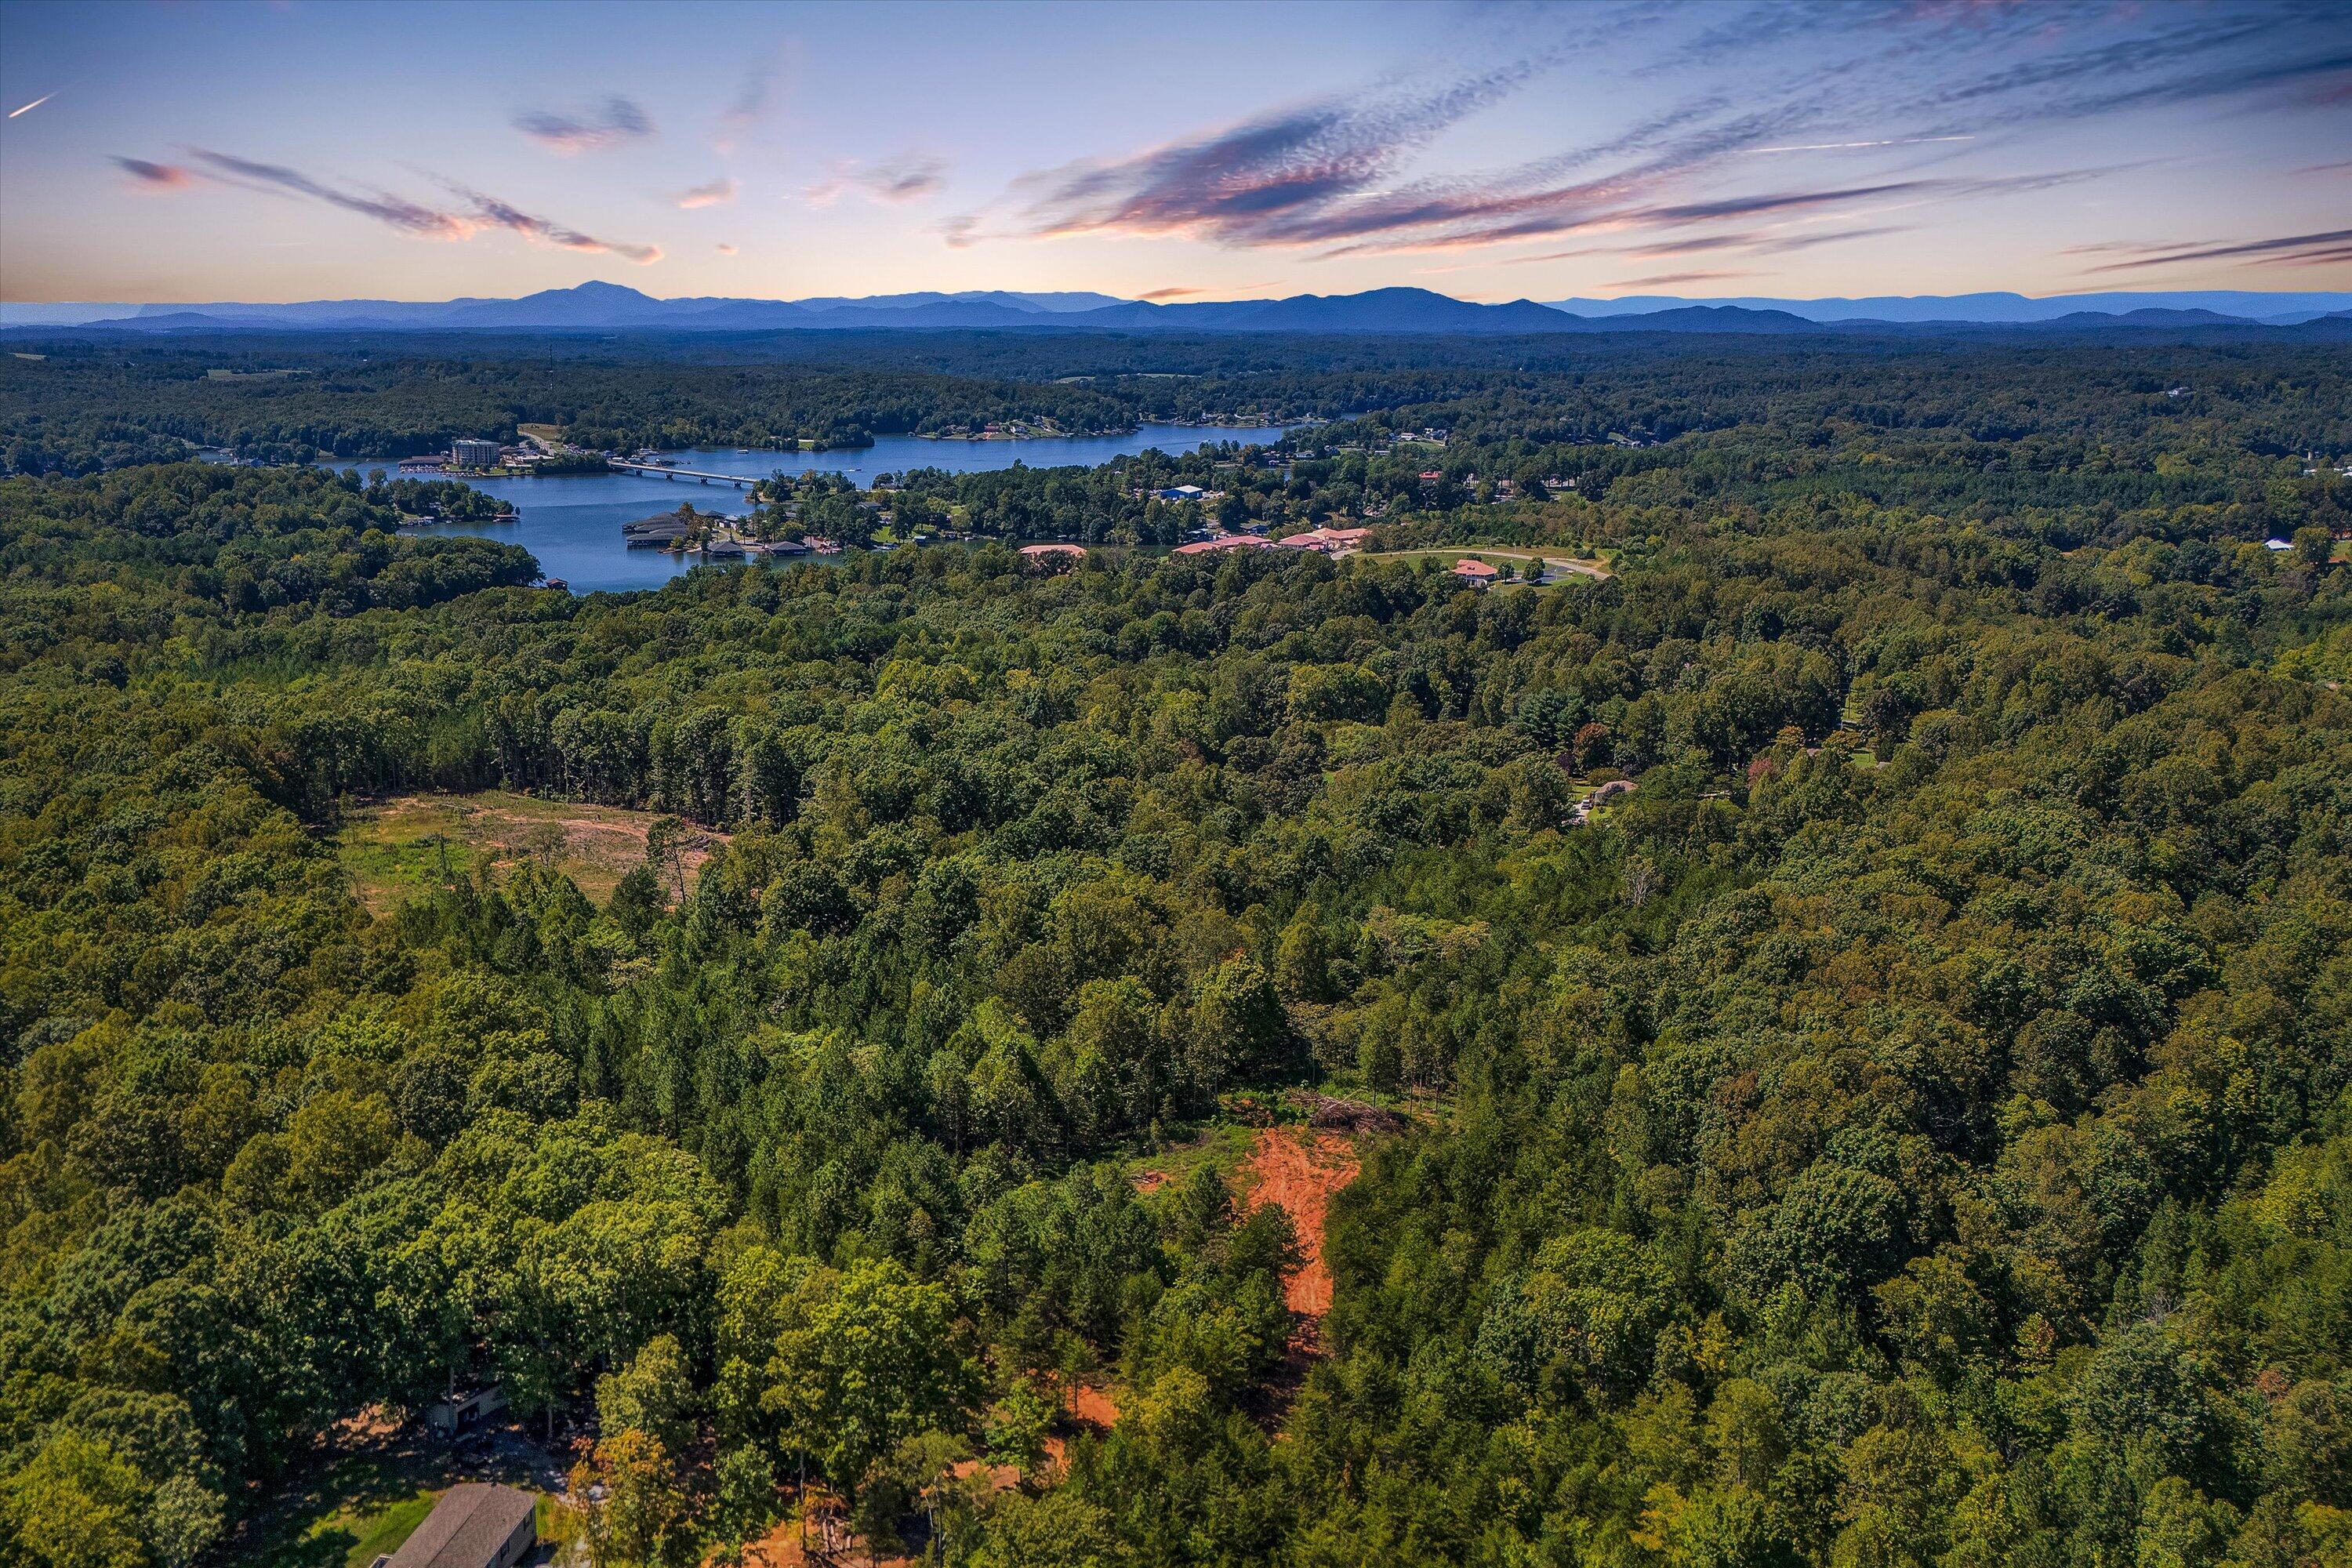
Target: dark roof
466,1528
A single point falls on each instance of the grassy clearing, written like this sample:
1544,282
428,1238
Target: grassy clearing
1222,1146
361,1507
544,432
346,1509
396,849
1558,567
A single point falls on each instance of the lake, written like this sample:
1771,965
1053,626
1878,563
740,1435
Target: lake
573,523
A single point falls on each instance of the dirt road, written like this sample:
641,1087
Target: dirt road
1301,1169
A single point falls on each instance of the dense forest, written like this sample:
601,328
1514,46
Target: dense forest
1912,1126
82,406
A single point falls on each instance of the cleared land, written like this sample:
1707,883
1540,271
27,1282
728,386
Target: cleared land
397,848
1301,1169
1557,567
362,1506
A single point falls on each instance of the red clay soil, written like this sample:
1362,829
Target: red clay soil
1300,1169
1087,1403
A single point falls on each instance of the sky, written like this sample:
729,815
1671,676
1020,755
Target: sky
199,150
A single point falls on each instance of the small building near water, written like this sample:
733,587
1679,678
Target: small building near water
476,1525
657,533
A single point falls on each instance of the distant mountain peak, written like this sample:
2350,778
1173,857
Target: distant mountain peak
597,305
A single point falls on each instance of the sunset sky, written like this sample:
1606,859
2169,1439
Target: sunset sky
197,150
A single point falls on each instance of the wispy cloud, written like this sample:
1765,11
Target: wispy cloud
2285,251
409,217
903,179
28,108
1275,180
1668,280
476,213
750,101
1156,295
611,124
1341,174
147,176
725,250
1857,146
716,194
2183,55
492,213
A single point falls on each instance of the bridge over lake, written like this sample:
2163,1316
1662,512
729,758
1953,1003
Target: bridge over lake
657,470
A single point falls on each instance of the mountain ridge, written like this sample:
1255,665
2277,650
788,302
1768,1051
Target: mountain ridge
599,306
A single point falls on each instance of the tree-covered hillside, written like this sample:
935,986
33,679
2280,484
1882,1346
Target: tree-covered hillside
1913,1125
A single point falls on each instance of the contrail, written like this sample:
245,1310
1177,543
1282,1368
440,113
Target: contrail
32,106
1842,146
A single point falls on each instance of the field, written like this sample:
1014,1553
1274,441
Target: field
397,849
373,1481
1557,568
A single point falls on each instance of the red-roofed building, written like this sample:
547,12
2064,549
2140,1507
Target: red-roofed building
1038,552
1477,572
1223,542
1330,540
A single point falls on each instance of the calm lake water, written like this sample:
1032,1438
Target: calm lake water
573,523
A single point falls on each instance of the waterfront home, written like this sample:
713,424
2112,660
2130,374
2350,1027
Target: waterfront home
658,532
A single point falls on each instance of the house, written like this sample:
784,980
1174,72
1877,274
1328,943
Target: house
661,537
1329,540
1052,557
473,1526
1477,572
462,1412
1179,492
1222,541
2278,544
